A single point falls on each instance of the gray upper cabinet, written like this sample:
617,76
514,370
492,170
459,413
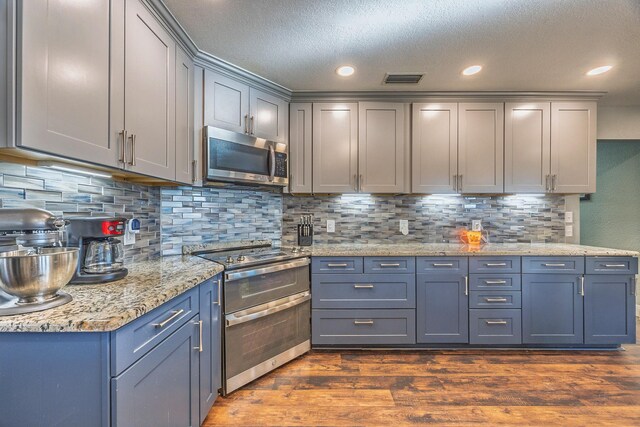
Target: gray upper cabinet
267,116
573,147
527,147
149,81
198,124
64,103
383,151
226,103
480,148
434,148
185,163
335,148
300,148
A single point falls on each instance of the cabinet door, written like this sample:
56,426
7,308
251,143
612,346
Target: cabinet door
300,148
268,116
434,148
184,118
481,147
573,147
226,103
442,309
210,357
552,309
65,72
150,93
382,148
609,309
161,389
527,147
335,148
198,123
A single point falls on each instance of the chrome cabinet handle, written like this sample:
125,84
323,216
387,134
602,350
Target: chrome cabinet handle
440,264
194,165
199,347
495,322
363,286
123,152
495,299
455,183
615,265
383,265
496,264
360,182
252,127
172,317
336,265
582,285
246,123
633,285
132,161
554,265
546,183
460,185
495,282
219,286
363,322
553,182
355,182
466,285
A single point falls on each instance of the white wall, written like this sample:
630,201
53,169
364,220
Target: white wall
618,123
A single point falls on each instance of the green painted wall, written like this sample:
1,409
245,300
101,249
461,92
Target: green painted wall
612,217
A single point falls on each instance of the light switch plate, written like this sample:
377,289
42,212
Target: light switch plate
331,226
568,231
568,217
476,225
404,226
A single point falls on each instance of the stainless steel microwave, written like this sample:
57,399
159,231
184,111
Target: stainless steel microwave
236,157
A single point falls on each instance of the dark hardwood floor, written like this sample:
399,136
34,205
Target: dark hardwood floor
390,388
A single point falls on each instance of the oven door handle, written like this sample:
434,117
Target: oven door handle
273,307
273,268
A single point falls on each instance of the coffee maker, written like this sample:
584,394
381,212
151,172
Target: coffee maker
101,253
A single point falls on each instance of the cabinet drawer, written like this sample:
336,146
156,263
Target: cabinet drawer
442,265
363,291
389,265
487,282
552,265
336,265
358,327
497,326
137,338
494,264
611,265
495,299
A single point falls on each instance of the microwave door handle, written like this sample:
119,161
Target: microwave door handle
271,163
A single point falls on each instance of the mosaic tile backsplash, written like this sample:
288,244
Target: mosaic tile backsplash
80,195
432,219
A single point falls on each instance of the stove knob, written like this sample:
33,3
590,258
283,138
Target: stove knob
229,260
241,258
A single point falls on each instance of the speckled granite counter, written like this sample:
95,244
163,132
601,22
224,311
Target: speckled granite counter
108,306
453,249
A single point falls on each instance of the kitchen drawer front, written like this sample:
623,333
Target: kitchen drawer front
496,326
362,327
494,264
363,291
458,265
553,265
489,282
329,265
389,265
611,265
134,340
495,299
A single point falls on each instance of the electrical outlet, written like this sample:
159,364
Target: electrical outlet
568,217
476,225
331,226
568,231
404,226
129,238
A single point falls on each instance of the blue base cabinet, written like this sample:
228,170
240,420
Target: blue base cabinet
442,309
609,309
211,355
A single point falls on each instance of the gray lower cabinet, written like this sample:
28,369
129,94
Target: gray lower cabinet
552,309
442,308
363,327
609,309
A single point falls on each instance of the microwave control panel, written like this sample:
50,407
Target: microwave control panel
281,165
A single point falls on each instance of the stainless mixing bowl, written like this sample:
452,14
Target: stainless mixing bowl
34,277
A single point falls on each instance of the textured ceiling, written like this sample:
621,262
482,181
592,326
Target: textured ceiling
523,45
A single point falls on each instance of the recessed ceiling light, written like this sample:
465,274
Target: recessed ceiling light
599,70
474,69
345,70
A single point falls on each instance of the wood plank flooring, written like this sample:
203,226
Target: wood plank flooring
390,388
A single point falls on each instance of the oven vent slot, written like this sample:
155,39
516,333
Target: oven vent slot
403,78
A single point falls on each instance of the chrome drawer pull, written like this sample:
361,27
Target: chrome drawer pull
615,265
336,265
496,264
363,286
495,299
495,322
435,264
172,317
390,265
495,282
554,265
363,322
199,347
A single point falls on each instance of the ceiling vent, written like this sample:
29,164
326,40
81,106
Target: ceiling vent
402,78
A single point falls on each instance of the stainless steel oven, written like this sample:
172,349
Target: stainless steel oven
267,319
236,157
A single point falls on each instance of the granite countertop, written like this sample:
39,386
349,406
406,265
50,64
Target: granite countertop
453,249
108,306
